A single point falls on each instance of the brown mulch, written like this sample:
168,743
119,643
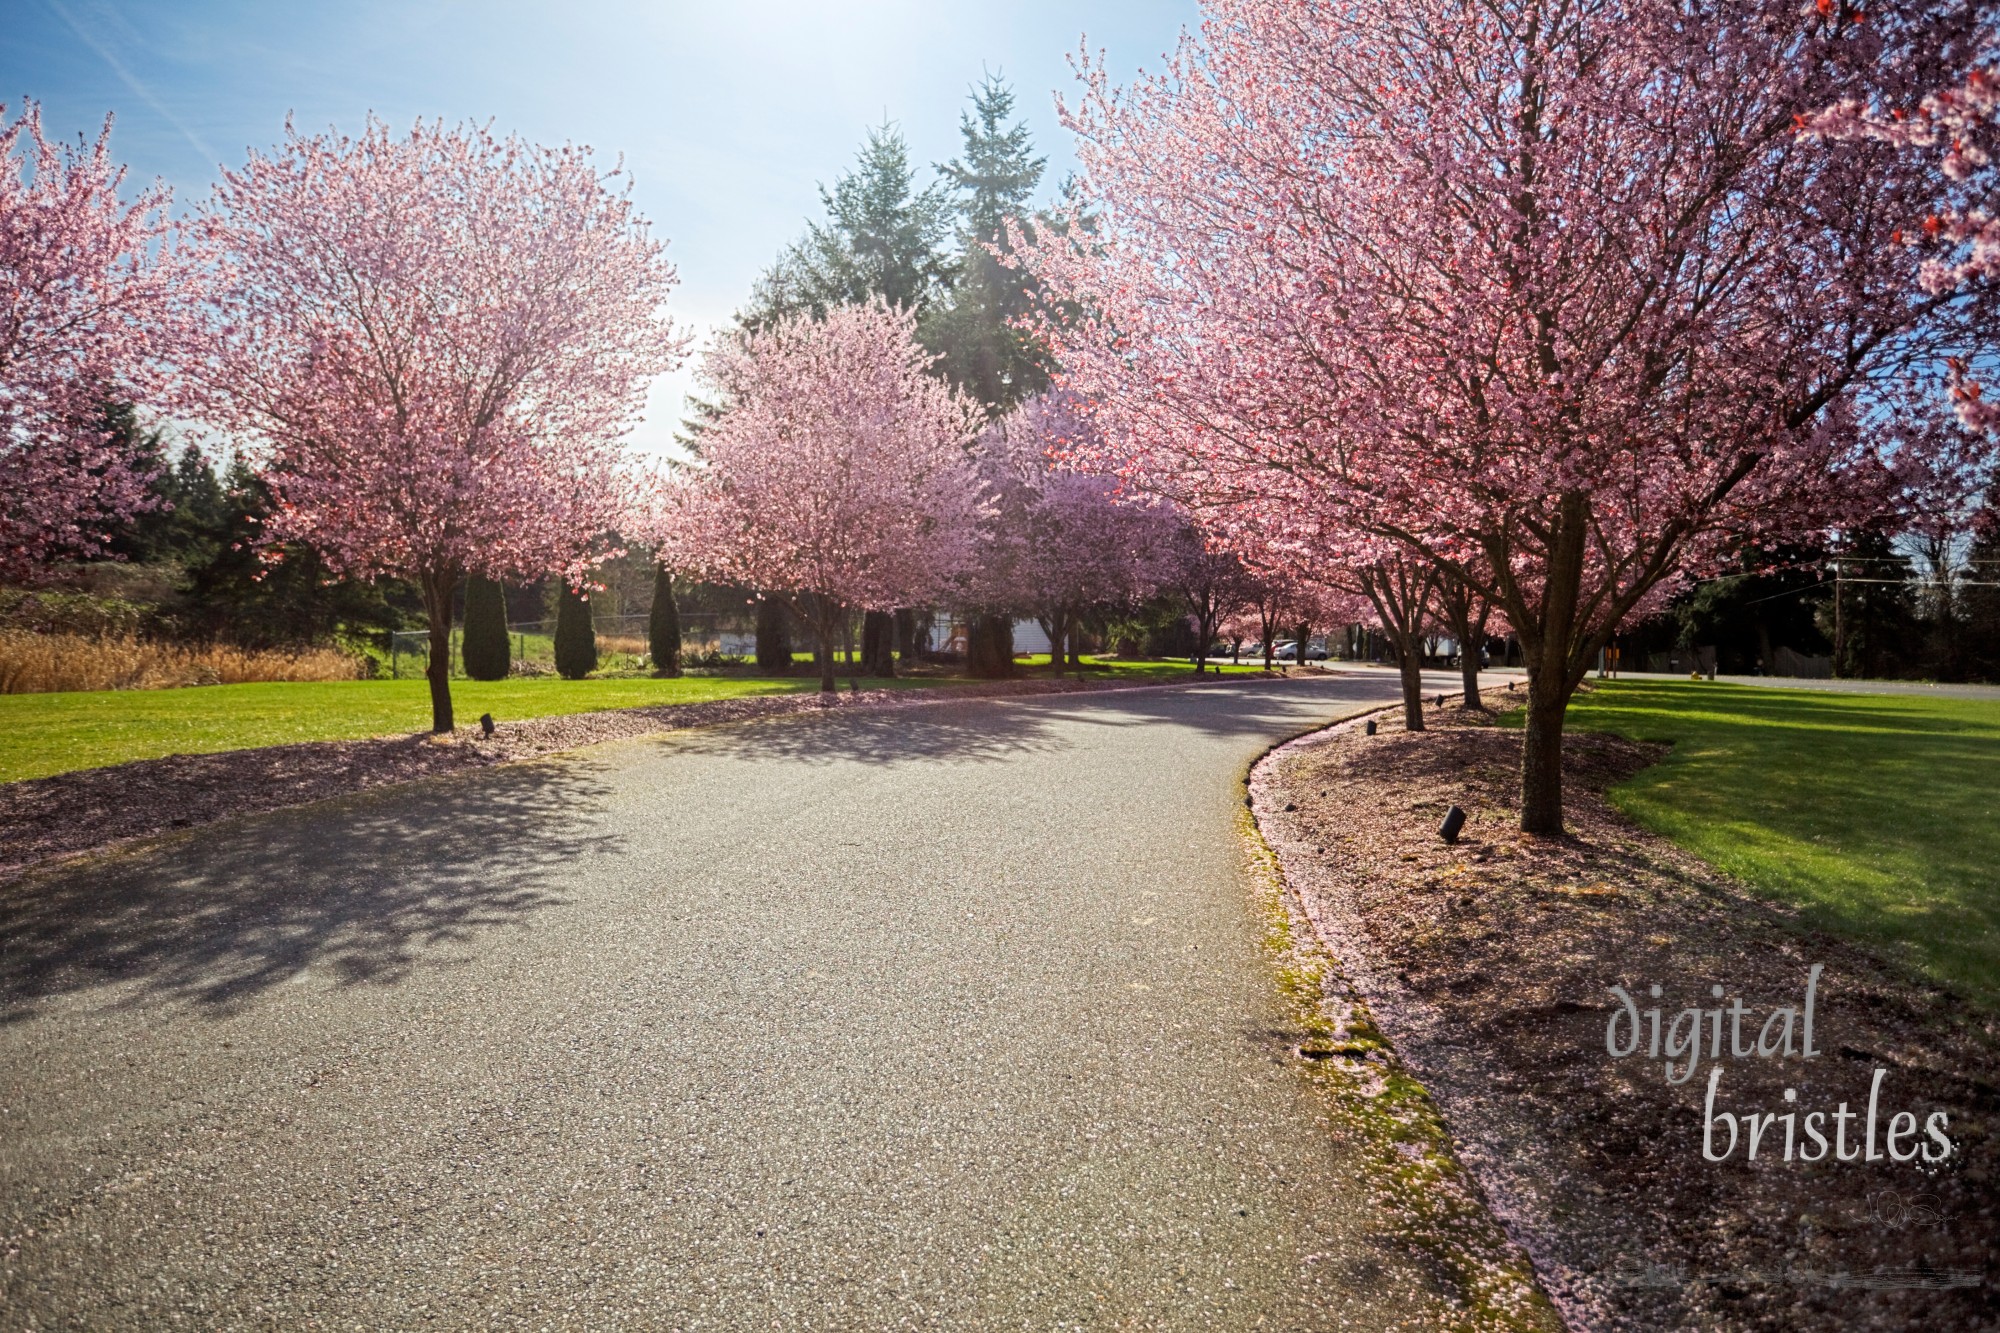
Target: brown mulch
42,819
1488,965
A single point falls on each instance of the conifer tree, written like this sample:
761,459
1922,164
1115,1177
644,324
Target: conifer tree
663,626
980,350
484,647
576,637
882,237
774,639
983,353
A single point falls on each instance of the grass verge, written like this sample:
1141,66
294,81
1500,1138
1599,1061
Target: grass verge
1378,1106
1878,815
45,734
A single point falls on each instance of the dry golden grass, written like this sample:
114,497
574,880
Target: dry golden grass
42,663
615,643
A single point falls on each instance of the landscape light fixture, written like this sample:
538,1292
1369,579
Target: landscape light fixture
1371,726
1454,820
486,723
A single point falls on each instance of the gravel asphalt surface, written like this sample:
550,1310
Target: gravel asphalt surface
950,1016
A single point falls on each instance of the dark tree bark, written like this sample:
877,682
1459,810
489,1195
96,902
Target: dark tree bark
774,640
1466,612
1400,592
663,626
437,587
827,619
1057,625
878,644
1556,656
989,647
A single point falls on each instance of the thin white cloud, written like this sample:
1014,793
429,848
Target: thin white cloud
145,94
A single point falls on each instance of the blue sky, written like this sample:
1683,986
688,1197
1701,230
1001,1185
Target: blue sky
728,113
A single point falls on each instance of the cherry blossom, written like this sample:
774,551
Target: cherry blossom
437,340
838,478
1557,306
94,300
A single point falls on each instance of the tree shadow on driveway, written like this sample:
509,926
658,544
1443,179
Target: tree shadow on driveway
998,729
362,886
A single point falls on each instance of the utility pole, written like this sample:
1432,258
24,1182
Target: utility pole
1839,624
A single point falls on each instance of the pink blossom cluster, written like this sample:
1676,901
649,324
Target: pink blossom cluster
92,313
1961,239
839,476
1063,542
438,339
1560,308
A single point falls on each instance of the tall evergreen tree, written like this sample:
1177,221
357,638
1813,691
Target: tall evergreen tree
993,180
979,349
881,237
774,639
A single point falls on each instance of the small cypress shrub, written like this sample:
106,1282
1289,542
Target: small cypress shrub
576,637
774,641
663,627
484,648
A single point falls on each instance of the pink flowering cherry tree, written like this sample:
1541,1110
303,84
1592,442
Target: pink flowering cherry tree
1559,307
94,302
839,477
438,340
1960,240
1063,542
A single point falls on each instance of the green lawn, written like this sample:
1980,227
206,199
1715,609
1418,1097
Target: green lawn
41,734
1878,814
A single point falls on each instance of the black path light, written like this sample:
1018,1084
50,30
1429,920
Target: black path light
486,723
1454,821
1371,726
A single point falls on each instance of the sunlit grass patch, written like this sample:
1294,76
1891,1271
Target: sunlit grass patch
1877,814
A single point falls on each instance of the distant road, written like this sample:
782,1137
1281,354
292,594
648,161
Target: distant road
1449,681
949,1016
1840,686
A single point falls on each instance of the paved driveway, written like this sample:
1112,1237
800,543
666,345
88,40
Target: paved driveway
949,1016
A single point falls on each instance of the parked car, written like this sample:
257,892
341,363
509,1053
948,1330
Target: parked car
1286,651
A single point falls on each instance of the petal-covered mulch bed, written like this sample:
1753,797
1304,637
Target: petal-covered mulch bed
1488,965
73,813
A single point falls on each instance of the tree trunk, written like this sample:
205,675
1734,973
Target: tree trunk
437,587
823,630
1553,672
1459,602
663,626
878,643
1057,628
1541,758
989,647
1410,665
